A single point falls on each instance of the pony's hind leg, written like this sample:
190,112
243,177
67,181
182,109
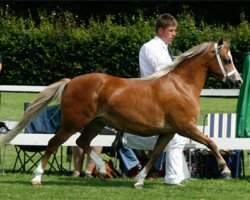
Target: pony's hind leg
61,136
88,134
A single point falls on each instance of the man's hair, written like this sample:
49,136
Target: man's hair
165,20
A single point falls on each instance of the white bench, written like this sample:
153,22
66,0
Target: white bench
43,139
227,143
38,139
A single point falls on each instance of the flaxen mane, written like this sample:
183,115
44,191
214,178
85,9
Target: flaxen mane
186,55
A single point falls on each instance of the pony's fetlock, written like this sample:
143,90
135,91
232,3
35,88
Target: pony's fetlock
139,183
39,170
140,179
226,174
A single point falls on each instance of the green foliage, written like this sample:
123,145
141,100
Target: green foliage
55,45
187,33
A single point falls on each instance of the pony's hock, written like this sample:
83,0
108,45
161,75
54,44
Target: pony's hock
94,100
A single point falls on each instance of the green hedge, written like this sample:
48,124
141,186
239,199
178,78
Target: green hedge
57,45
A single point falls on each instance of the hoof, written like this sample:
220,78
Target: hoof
36,183
138,186
102,176
226,175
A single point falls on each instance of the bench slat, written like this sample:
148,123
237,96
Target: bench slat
36,139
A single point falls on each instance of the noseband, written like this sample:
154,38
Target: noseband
217,53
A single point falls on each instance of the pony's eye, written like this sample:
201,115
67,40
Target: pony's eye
227,61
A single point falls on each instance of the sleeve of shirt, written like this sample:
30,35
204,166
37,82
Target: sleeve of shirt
1,60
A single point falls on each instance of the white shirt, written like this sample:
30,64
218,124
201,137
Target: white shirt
153,56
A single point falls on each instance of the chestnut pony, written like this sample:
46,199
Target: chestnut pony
163,104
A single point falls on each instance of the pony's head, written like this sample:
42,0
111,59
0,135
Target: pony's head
222,64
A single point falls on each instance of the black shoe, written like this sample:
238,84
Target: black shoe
134,171
3,128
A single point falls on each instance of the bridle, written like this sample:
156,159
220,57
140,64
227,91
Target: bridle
225,75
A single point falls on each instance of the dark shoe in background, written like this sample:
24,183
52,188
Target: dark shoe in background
3,128
134,171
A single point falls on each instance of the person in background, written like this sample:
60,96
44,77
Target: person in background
78,158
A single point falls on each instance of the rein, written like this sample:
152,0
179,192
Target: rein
225,75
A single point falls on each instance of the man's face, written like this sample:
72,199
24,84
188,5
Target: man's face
168,34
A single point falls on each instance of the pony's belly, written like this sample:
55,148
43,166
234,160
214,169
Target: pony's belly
139,128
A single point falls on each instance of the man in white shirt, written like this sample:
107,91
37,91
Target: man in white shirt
155,55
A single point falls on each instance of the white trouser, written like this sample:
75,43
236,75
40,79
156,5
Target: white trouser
176,166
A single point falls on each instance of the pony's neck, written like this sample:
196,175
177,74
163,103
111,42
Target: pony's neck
193,73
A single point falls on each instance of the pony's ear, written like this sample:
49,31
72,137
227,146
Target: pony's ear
220,42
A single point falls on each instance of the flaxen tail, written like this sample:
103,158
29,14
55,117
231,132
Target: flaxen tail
51,93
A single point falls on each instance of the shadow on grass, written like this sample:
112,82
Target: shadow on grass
96,182
51,180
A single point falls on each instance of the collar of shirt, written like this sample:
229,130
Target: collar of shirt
161,42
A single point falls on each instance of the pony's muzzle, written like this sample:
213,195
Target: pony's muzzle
236,80
238,83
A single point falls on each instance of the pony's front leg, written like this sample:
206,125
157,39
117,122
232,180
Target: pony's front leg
195,134
141,177
160,145
225,171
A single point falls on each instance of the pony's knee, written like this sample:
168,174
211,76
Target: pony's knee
211,145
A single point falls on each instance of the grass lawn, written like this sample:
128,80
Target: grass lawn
17,186
60,186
